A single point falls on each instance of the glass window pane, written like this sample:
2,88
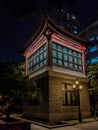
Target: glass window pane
65,49
37,53
41,63
74,53
54,53
41,57
44,62
70,51
59,47
34,61
71,65
65,57
54,60
79,55
60,55
79,62
54,45
60,62
75,60
44,54
76,66
80,67
37,59
66,63
41,49
70,59
44,47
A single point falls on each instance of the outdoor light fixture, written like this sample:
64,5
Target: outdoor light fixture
77,86
76,82
74,86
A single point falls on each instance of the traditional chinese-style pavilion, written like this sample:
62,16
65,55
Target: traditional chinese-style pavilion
55,58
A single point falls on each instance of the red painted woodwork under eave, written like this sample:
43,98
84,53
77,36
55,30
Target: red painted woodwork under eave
34,47
68,42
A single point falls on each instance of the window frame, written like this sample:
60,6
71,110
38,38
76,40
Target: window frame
66,54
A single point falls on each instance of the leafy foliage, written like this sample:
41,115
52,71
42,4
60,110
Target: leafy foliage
92,73
14,83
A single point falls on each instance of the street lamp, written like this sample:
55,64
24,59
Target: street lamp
78,87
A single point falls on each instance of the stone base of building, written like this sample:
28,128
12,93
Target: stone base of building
53,107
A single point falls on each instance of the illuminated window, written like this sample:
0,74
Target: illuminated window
54,53
65,56
59,55
94,60
73,17
91,38
94,48
70,59
54,60
96,37
69,96
37,59
75,32
59,47
65,49
75,60
60,62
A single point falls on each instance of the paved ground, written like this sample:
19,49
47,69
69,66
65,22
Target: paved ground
84,126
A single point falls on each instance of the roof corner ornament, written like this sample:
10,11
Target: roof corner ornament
48,34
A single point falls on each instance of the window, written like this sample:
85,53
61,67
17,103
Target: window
59,55
75,32
94,60
54,53
96,37
70,58
67,57
91,38
94,48
37,59
75,60
69,95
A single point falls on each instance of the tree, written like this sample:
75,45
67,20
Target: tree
92,73
14,84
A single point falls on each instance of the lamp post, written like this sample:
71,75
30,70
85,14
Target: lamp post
78,87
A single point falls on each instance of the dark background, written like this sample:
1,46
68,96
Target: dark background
15,32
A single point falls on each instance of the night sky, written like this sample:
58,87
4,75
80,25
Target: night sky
14,33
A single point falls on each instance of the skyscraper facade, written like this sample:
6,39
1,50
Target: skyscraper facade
91,35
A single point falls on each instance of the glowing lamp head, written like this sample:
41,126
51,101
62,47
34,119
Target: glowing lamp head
80,87
74,86
76,82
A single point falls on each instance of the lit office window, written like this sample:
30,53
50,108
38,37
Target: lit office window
69,96
94,60
67,57
37,59
94,48
96,37
75,32
91,38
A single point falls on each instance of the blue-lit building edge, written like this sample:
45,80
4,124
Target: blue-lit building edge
92,55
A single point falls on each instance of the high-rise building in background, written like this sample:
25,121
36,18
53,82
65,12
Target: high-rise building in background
72,23
91,34
66,19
